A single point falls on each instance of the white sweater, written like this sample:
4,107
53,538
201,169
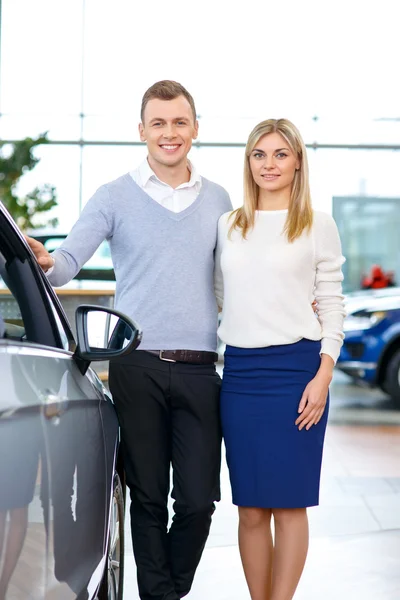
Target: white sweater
266,285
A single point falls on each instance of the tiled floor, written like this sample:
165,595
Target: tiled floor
355,532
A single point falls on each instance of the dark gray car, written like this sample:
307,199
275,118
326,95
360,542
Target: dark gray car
61,496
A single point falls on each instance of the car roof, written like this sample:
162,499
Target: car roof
373,304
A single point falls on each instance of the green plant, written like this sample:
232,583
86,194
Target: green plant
16,159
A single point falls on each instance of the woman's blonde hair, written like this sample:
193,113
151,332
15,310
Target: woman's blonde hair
300,214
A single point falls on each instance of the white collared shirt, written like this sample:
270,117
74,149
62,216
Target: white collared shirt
174,199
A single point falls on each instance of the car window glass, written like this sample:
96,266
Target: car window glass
64,338
11,323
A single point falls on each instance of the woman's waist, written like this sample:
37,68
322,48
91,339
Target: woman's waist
266,311
298,346
259,331
278,361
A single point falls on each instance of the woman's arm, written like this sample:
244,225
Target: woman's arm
331,313
328,285
313,401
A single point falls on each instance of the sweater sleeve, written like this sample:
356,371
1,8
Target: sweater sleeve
328,285
93,226
218,278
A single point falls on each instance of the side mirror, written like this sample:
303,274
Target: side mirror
103,333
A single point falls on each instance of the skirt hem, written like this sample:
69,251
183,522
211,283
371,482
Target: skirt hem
281,505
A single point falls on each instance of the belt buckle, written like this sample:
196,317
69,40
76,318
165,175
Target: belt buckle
160,356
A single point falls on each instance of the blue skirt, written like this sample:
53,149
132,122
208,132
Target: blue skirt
271,463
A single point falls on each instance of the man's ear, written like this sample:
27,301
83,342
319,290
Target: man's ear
141,133
196,129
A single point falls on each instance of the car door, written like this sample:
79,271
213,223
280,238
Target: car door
77,474
23,531
53,415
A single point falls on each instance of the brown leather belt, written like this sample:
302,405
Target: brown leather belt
196,357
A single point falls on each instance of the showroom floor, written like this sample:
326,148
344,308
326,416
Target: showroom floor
355,532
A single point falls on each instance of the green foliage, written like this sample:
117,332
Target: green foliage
15,160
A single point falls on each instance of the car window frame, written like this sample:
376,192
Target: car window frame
43,298
58,312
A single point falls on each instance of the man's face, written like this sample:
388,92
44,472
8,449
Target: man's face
168,129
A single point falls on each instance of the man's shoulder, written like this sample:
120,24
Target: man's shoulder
214,186
123,181
218,191
115,193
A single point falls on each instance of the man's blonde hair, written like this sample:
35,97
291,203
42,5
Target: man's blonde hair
166,90
300,215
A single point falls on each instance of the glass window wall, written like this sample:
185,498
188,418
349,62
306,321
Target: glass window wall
78,70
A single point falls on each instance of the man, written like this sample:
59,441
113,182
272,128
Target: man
161,223
2,328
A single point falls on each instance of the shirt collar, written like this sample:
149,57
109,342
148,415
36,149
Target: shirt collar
146,174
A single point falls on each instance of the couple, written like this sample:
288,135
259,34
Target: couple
273,257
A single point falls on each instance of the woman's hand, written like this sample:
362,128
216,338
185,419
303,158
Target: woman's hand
313,401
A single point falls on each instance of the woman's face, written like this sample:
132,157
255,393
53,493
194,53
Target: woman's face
273,164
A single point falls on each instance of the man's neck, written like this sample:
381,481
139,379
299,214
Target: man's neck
174,175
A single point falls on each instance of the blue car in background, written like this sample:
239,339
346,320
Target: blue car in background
371,350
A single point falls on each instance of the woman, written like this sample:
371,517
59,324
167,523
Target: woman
275,255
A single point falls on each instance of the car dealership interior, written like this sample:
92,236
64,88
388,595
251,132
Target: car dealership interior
72,77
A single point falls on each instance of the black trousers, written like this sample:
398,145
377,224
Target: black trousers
169,415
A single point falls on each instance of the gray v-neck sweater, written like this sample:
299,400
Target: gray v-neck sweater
163,261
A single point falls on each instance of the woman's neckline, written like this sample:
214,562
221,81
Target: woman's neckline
268,212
